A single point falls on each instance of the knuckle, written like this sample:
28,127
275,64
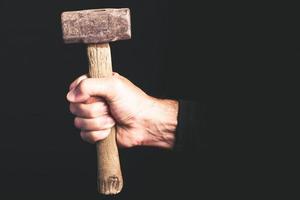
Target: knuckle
83,85
71,108
75,108
93,111
85,136
94,136
77,122
100,135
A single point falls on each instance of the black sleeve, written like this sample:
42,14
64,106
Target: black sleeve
191,131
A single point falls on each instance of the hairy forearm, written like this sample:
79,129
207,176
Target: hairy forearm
161,123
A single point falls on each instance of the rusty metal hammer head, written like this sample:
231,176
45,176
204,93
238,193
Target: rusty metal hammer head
96,25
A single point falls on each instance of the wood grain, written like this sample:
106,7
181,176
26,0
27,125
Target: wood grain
109,178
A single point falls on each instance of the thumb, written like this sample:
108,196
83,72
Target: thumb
92,87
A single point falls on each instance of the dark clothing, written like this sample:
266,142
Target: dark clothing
191,132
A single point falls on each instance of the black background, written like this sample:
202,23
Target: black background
170,55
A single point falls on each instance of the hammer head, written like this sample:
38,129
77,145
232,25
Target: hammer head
96,25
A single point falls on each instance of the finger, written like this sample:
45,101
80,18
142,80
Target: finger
94,136
93,100
92,110
94,124
102,87
77,81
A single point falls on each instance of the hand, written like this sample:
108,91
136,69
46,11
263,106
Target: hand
140,119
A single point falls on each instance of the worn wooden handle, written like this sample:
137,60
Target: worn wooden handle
109,176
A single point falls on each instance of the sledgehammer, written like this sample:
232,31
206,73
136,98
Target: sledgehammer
96,28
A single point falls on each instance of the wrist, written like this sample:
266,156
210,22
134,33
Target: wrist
160,123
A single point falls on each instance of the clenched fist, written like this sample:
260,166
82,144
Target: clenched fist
99,104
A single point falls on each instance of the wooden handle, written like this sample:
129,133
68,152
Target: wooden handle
109,176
